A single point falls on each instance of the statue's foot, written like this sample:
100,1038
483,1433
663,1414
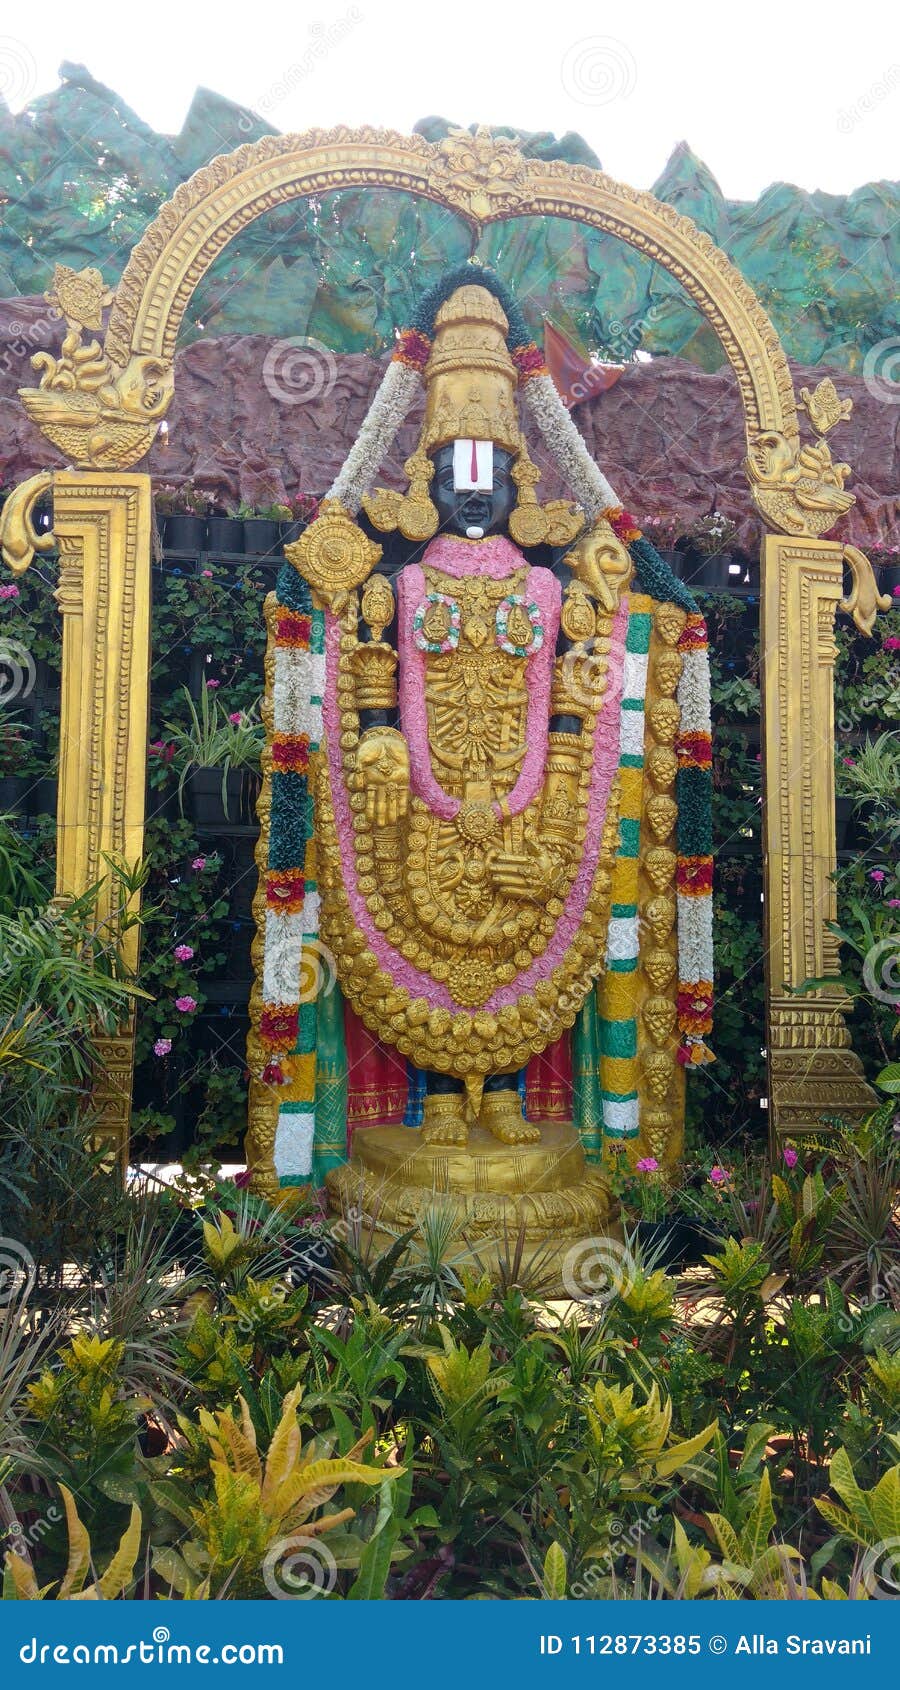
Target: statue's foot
444,1119
501,1113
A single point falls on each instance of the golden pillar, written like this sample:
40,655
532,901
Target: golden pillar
812,1069
102,526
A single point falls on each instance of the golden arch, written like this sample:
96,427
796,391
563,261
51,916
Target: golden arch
103,409
484,180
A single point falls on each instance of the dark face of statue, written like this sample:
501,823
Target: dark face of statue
460,511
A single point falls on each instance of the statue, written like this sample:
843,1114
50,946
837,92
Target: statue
486,809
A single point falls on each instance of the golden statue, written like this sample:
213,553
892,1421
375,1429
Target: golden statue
481,712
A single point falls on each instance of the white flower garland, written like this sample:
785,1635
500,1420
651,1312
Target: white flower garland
396,394
587,482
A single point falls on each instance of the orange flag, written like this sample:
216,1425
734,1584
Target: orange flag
575,377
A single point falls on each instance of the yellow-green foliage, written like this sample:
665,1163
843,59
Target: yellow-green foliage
21,1584
255,1502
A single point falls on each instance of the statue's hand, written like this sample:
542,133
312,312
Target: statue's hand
382,773
529,875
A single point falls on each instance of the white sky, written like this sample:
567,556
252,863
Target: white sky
813,98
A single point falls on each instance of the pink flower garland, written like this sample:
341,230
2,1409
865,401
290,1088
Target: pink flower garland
497,558
605,764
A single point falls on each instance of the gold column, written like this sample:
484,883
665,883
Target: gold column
102,526
812,1068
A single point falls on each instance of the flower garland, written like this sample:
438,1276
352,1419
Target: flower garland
504,610
693,875
397,392
285,1020
454,618
566,446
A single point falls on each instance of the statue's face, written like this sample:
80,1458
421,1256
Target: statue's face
457,512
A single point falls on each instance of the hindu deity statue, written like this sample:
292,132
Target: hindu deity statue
485,819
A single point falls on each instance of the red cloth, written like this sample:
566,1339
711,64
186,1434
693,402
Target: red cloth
548,1082
376,1079
575,377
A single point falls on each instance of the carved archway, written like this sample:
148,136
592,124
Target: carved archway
103,410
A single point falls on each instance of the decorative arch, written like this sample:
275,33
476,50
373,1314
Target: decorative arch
101,405
485,181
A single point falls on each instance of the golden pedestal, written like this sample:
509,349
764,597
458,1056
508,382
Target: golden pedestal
492,1189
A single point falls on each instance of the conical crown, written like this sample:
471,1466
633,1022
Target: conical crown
470,377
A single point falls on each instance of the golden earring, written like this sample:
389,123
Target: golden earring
412,512
417,516
527,523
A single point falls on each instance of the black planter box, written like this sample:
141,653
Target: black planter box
183,533
225,534
260,535
203,797
12,795
291,531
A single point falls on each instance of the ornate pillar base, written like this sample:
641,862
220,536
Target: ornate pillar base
491,1189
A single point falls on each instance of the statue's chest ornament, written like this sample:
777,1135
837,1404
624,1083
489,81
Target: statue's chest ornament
515,626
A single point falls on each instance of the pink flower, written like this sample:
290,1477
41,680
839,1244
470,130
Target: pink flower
848,762
199,862
183,952
212,685
877,874
162,1047
9,591
893,903
717,1175
235,718
647,1165
790,1156
206,574
186,1005
892,643
896,589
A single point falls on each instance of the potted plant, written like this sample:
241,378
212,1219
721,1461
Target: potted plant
183,513
262,529
217,757
226,531
301,511
662,533
707,559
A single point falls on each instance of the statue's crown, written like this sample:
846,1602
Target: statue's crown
470,377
